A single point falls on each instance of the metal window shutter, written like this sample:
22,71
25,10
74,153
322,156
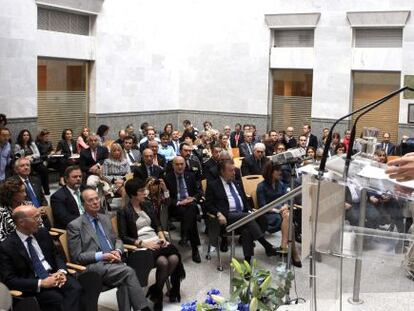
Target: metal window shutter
58,110
384,117
378,38
291,111
60,21
293,38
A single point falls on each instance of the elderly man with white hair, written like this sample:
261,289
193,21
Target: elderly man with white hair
253,164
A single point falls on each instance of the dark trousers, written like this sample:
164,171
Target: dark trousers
188,217
65,298
249,232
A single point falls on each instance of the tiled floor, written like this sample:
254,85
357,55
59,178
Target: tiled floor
384,284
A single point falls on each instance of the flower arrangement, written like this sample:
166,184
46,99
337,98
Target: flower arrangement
252,291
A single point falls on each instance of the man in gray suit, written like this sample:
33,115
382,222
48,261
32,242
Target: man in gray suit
93,243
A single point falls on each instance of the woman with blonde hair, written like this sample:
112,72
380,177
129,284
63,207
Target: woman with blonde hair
115,167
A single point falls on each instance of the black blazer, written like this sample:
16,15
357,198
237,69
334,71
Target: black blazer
193,186
127,217
211,171
63,146
313,141
64,207
216,197
292,143
391,148
17,269
86,161
233,142
244,150
37,188
251,167
142,173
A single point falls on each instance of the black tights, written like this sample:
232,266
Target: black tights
165,266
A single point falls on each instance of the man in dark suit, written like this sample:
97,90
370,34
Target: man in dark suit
386,145
66,202
30,264
147,167
226,199
133,156
290,139
175,141
34,192
185,192
312,140
159,159
236,137
210,167
254,164
271,142
192,163
93,243
91,159
246,148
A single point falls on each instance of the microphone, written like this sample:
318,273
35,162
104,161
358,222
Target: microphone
372,105
292,155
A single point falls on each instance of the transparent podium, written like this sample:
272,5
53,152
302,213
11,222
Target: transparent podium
358,235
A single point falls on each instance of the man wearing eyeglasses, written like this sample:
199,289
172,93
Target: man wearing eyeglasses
31,264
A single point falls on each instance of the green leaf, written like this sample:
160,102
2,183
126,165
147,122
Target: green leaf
253,304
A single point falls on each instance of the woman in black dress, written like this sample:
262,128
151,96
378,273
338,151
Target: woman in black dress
138,225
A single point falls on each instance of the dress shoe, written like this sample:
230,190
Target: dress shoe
271,251
297,264
196,256
224,247
156,296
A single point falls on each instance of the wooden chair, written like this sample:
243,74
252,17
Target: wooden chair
238,162
250,186
236,152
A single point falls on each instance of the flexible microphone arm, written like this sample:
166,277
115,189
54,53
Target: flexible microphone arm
368,106
371,107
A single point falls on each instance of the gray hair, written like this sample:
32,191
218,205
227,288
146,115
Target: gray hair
259,146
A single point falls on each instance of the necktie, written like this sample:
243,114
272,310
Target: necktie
131,158
37,264
93,155
181,187
250,148
103,242
151,169
31,193
235,197
78,200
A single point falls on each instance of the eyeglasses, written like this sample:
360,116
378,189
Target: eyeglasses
36,218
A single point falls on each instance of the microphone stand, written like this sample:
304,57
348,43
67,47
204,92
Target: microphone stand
319,178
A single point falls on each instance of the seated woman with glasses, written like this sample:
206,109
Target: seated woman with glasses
138,225
270,189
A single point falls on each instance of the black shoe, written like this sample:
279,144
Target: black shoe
156,296
297,264
196,255
183,242
175,295
271,251
224,247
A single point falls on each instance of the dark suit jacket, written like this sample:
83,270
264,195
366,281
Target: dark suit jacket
195,167
211,171
86,161
127,218
64,207
244,150
161,161
141,171
17,268
193,186
292,143
391,148
251,167
63,146
233,142
216,197
313,141
37,188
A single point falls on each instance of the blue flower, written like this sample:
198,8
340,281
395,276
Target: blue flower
213,291
243,307
210,300
189,306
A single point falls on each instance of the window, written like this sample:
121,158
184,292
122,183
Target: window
378,38
60,21
293,38
370,86
62,97
292,98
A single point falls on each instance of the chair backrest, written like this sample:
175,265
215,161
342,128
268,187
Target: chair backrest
64,243
114,221
49,214
236,152
250,185
204,185
238,162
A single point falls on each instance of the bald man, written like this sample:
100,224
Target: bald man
148,167
31,264
185,193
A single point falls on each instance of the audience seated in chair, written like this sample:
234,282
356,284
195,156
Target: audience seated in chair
30,264
67,147
91,159
93,243
133,156
254,164
246,148
147,167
